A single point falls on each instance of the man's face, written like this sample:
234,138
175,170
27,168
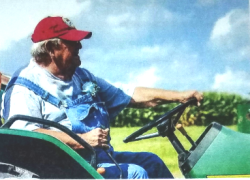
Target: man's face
66,56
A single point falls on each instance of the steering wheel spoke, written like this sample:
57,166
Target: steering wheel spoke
147,136
176,119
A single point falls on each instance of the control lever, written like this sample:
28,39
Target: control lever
184,133
110,156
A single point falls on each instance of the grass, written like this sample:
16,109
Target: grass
159,145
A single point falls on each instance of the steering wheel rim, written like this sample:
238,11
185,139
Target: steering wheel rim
178,109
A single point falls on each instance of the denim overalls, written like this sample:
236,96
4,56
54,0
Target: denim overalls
85,113
88,112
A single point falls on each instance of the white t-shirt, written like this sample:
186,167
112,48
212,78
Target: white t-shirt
20,100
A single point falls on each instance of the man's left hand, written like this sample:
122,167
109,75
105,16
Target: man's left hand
186,95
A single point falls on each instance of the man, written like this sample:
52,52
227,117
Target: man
53,87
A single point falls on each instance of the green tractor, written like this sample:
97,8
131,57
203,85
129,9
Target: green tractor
218,152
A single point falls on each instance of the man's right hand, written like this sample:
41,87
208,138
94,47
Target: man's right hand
96,137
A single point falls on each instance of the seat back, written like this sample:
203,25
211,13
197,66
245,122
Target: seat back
43,155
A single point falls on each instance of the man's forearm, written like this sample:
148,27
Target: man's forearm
150,97
62,137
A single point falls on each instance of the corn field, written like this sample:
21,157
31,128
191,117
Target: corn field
218,107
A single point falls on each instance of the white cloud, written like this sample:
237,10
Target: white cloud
232,81
146,78
19,18
222,27
230,35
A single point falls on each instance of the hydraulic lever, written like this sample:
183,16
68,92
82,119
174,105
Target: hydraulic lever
184,133
117,165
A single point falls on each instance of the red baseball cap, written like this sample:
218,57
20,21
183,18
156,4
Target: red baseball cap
58,27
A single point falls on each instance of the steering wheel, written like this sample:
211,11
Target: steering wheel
164,123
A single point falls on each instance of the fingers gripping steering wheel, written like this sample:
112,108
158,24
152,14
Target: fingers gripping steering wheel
165,124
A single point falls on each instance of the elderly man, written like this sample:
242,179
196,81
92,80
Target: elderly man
53,87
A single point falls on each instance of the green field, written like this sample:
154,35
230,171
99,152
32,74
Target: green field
160,146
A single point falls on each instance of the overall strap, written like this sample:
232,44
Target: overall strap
35,88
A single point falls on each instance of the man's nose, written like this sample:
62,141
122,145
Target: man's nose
79,45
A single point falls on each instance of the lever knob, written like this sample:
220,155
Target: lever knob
181,129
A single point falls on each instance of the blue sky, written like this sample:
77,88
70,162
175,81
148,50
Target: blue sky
171,44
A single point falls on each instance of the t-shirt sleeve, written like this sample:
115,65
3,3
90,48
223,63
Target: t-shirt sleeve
20,100
115,98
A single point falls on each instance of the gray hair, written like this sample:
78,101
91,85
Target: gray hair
39,51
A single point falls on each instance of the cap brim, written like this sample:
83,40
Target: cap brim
76,35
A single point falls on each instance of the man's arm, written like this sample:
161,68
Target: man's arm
96,137
24,101
150,97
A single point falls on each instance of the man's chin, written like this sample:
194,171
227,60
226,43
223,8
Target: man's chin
78,62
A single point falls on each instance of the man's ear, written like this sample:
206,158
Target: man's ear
50,48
